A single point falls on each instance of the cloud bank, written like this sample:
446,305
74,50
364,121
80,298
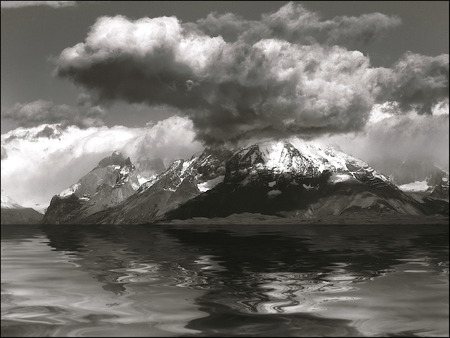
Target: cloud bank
235,79
390,135
40,162
46,112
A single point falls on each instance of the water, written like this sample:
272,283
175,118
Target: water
286,280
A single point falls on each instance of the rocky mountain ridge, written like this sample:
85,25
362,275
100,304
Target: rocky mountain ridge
305,181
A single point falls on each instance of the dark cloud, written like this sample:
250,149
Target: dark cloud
416,82
235,79
41,111
49,132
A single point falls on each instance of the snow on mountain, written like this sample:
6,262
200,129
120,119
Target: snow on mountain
415,186
303,181
208,185
304,159
206,168
272,177
182,181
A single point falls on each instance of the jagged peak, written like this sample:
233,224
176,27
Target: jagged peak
281,155
116,158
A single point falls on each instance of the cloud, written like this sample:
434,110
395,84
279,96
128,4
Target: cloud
162,140
416,82
41,111
236,79
42,161
293,22
54,4
229,90
390,135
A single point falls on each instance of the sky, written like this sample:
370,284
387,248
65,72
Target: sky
81,79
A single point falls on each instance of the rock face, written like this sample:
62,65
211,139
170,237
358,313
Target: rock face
13,213
111,182
304,181
276,178
181,182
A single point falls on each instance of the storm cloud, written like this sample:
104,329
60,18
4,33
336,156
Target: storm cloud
416,82
46,112
235,79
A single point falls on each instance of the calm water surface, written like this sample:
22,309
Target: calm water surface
287,280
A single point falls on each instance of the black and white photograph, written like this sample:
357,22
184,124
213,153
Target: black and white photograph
225,168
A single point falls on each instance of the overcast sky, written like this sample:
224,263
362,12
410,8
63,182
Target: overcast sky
221,72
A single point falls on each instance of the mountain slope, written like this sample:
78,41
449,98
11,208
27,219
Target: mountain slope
14,213
276,178
182,181
305,181
113,180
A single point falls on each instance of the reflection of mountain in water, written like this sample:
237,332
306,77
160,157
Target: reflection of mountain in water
233,280
262,279
247,261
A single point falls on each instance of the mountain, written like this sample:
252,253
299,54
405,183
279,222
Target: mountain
14,213
182,181
404,171
416,176
307,182
304,182
433,191
112,181
420,179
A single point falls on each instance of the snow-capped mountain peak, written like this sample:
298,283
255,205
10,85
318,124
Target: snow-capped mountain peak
305,159
113,171
207,169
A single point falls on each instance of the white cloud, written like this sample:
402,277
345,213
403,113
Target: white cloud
379,112
442,108
37,166
399,137
168,139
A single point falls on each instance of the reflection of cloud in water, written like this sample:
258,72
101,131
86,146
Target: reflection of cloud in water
407,302
145,280
300,293
46,292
